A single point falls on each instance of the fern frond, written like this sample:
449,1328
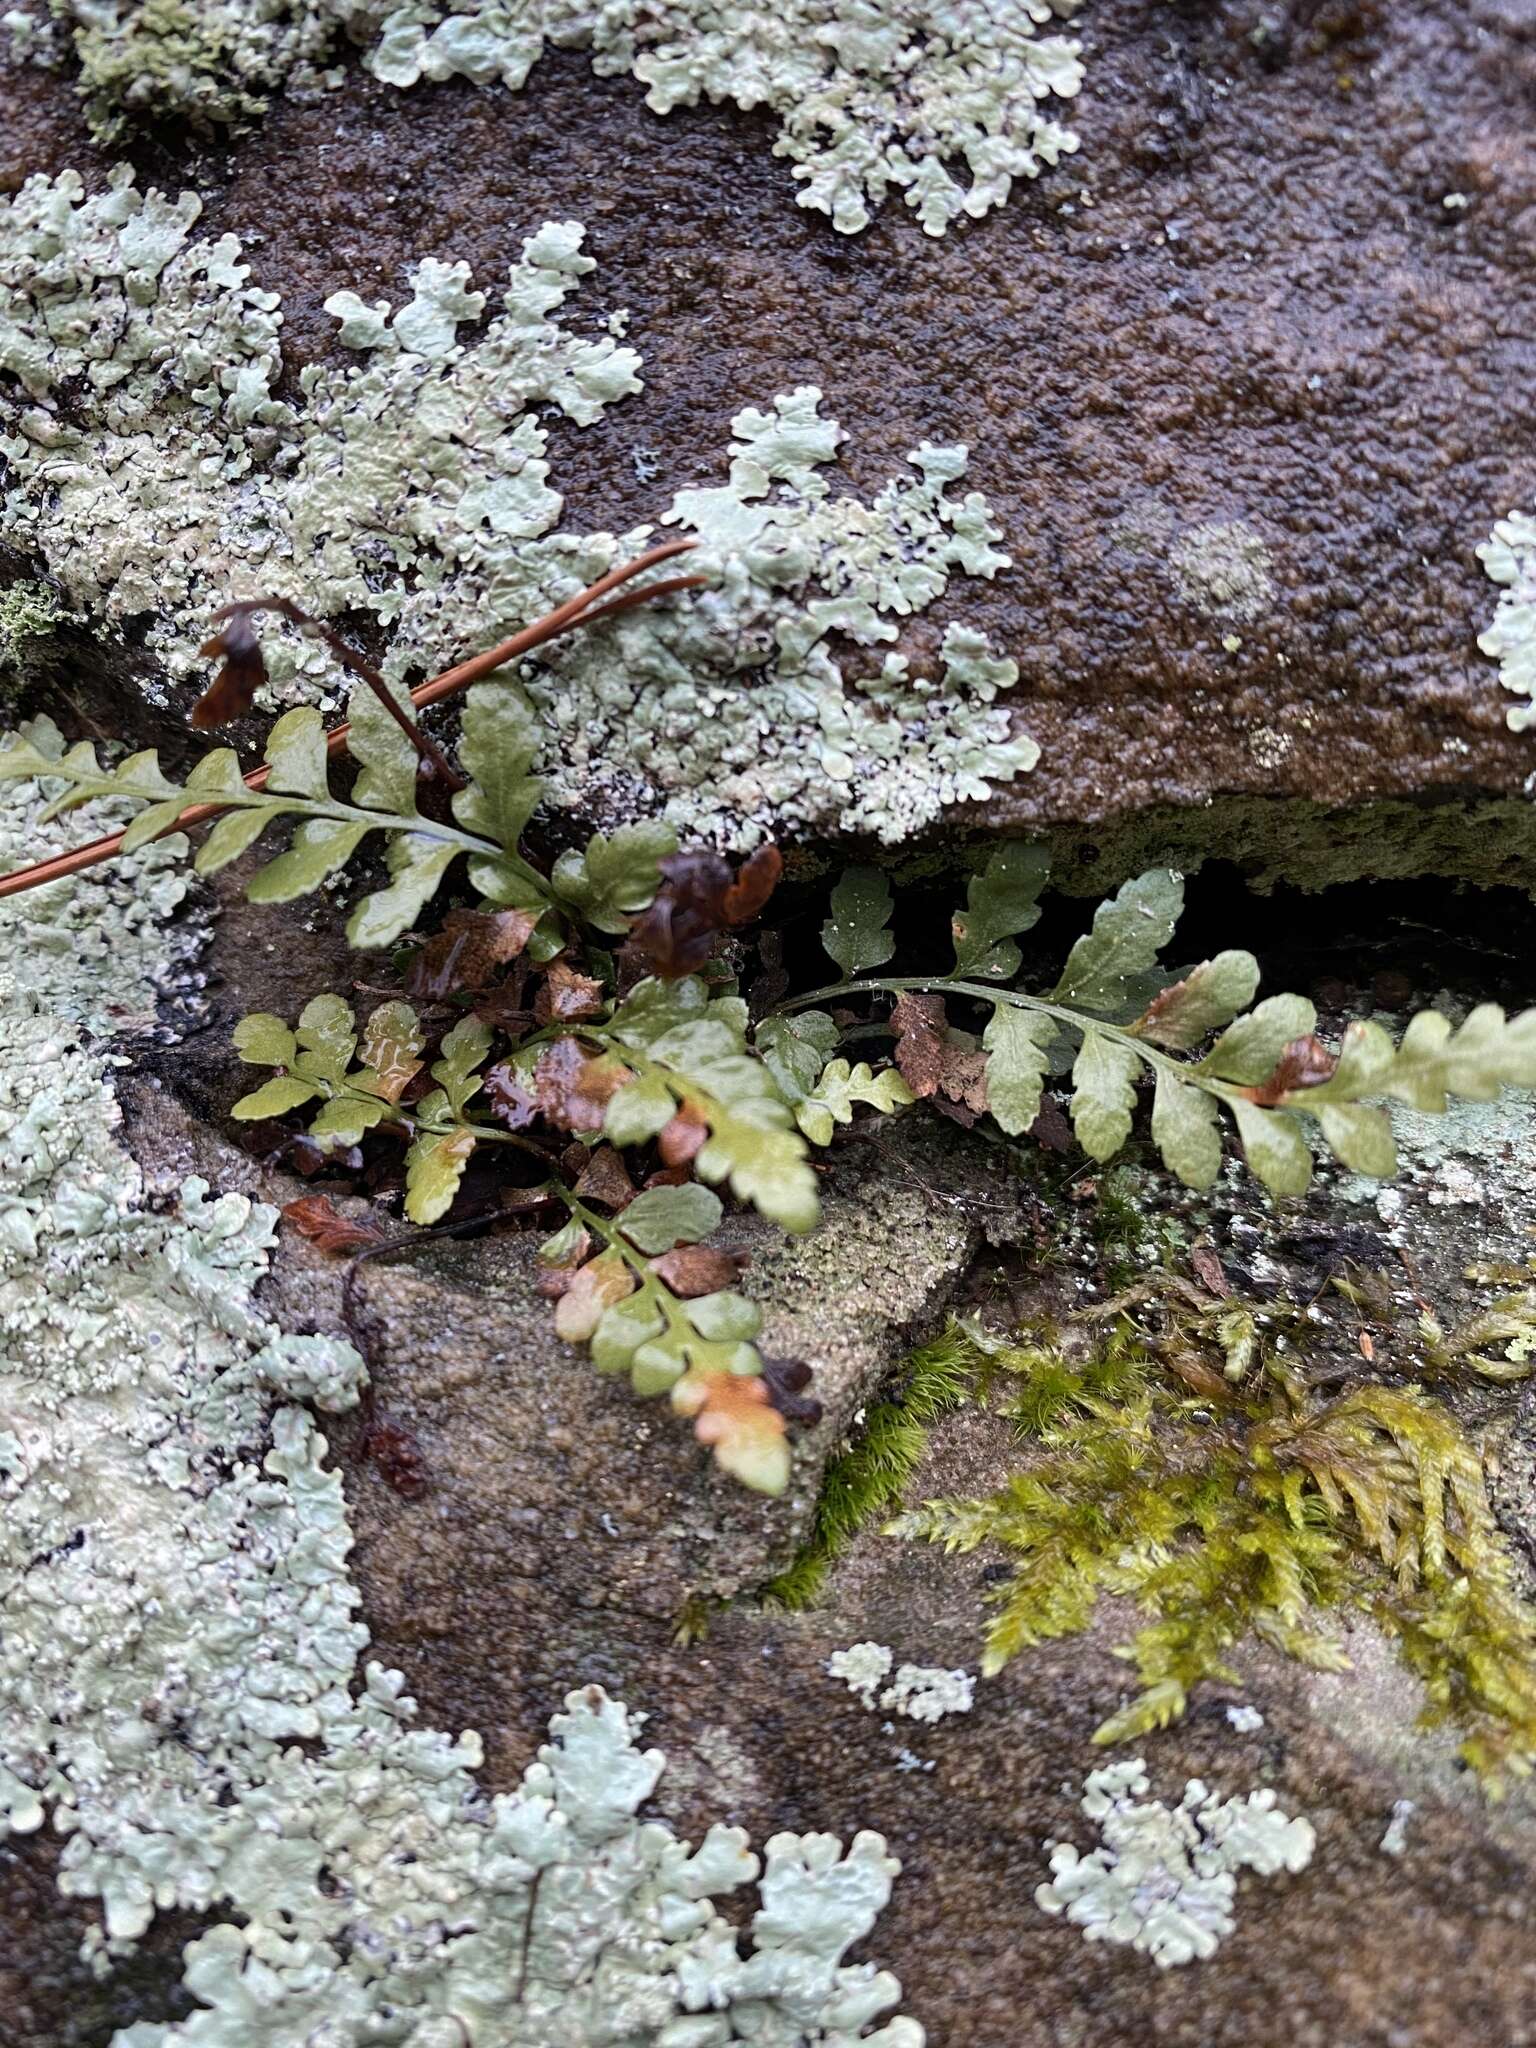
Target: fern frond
1116,1018
495,749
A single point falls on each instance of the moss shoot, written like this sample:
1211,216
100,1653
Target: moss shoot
1211,1484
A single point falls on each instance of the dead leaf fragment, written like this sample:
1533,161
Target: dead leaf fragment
525,1201
567,997
1305,1063
694,1269
1050,1129
572,1089
555,1280
233,690
919,1023
1208,1270
932,1059
390,1054
595,1288
681,1139
699,898
317,1218
510,1098
605,1179
467,951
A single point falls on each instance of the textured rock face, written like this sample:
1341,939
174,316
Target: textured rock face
521,1568
565,1527
1238,384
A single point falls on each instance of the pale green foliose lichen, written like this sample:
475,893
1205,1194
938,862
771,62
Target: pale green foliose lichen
93,949
201,60
873,96
918,1692
1164,1879
414,485
181,1680
1509,557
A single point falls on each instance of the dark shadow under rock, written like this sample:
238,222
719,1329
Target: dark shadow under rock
49,1995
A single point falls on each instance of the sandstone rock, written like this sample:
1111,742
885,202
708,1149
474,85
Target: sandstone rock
1233,374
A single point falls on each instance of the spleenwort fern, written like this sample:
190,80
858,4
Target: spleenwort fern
647,1055
490,814
696,1346
1128,1019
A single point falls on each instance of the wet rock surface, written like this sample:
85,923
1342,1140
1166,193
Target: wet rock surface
560,1527
1265,321
49,1996
1234,372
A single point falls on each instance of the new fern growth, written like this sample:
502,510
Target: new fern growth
532,1037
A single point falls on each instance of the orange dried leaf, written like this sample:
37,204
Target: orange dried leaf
756,880
683,1137
595,1288
317,1218
735,1415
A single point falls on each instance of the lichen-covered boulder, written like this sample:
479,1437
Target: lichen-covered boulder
1211,372
1112,446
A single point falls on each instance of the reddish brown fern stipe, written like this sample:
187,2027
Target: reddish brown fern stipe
579,610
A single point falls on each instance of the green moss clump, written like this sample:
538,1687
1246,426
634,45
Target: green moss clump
1126,1236
867,1478
1242,1505
29,615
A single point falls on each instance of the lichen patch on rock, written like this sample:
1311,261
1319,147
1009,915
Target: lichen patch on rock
1509,557
181,1676
903,96
413,485
1164,1880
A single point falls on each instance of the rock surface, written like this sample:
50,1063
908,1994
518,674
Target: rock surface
1131,349
1233,373
525,1566
561,1530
